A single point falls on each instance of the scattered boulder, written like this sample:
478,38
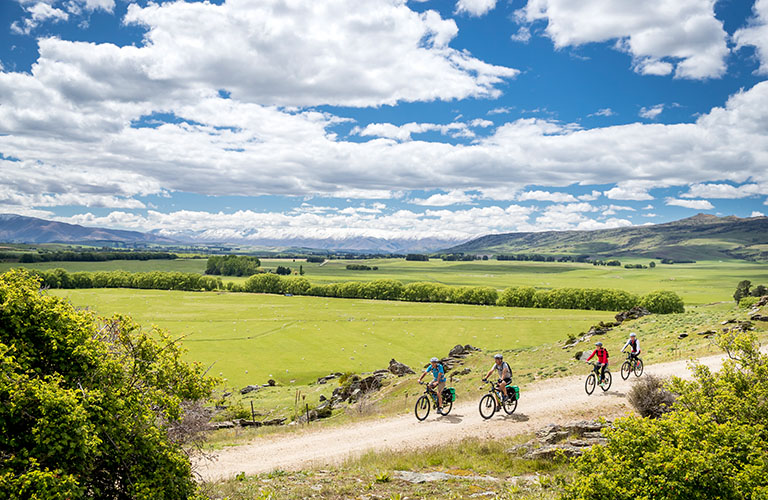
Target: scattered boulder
682,335
248,423
458,351
399,369
271,383
324,380
463,371
249,388
634,313
274,421
758,317
227,424
569,440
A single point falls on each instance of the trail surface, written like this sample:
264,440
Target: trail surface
551,401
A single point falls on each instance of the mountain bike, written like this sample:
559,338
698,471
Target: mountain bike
629,366
429,400
593,377
493,401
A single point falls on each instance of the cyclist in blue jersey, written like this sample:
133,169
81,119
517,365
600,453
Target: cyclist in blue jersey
438,379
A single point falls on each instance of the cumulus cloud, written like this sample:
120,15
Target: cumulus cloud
38,13
695,204
341,52
662,36
630,190
475,7
651,113
522,35
612,209
756,34
546,196
455,197
404,132
715,190
590,196
757,214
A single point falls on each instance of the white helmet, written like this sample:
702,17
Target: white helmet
434,360
498,356
633,334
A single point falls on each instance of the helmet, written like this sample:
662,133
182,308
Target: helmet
633,334
498,356
434,360
599,344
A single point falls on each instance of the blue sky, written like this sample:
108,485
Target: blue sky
432,121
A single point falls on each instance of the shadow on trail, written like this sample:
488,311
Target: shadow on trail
515,417
450,419
615,393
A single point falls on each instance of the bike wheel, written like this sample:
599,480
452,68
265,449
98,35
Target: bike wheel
487,406
607,382
639,367
589,385
626,369
422,408
447,406
510,405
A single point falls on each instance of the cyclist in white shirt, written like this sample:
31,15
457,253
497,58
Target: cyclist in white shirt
634,344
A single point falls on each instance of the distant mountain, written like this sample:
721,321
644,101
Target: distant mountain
21,229
699,237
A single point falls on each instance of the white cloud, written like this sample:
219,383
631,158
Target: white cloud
724,191
756,34
652,112
404,132
694,204
659,34
522,35
648,207
630,190
455,197
546,196
591,196
38,12
757,214
500,111
650,214
475,7
479,122
603,112
612,209
343,52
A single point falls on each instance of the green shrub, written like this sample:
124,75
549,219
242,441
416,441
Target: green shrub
521,296
87,404
748,302
662,302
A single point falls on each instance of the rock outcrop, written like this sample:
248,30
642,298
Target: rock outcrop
570,440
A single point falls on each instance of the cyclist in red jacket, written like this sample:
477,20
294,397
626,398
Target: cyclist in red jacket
602,359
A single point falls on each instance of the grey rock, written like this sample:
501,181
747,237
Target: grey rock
550,452
221,425
399,369
249,388
457,351
274,421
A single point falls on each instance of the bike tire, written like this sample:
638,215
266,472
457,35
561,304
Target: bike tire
626,369
509,406
487,406
608,381
422,408
446,409
639,368
589,385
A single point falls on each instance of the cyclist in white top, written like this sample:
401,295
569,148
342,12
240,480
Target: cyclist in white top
634,344
503,371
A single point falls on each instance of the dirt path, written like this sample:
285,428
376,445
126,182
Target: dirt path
557,401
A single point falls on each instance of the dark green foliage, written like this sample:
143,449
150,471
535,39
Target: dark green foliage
417,257
86,405
599,299
232,265
662,302
635,266
69,256
317,260
742,290
154,280
713,445
358,267
283,270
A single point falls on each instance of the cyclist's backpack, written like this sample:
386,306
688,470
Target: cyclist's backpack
449,393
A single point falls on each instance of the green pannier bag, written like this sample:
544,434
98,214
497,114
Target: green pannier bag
449,392
516,390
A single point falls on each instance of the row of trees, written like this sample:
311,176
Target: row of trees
69,256
537,257
155,280
232,265
361,267
598,299
744,289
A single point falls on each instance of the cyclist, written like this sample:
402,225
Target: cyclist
602,359
438,382
634,344
504,373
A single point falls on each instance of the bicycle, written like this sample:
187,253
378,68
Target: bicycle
627,367
423,404
591,381
493,401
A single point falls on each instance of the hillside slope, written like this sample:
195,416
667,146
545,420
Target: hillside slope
21,229
699,237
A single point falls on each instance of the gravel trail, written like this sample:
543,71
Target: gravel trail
549,401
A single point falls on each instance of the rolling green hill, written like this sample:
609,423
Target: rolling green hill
699,237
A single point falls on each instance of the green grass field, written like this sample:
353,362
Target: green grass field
254,337
700,283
